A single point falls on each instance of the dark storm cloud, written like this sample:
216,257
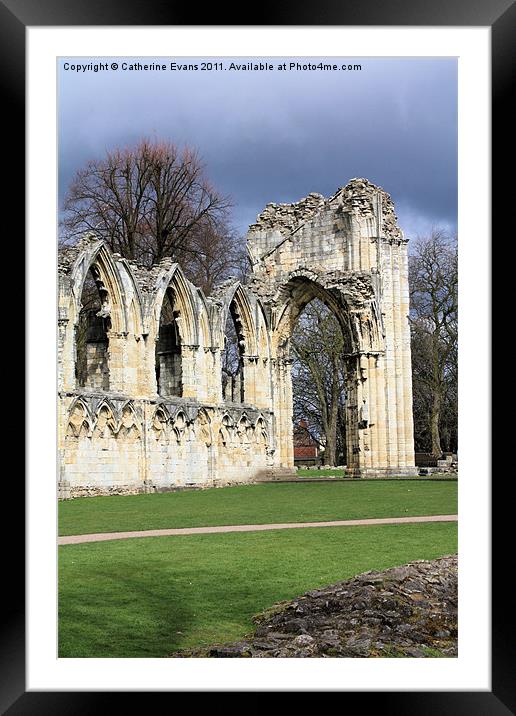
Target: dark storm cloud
272,136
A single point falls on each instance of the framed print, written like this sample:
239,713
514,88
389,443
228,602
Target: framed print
149,386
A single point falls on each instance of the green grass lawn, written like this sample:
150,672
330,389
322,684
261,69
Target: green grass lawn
148,597
258,504
309,472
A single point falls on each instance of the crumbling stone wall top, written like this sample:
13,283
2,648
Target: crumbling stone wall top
357,196
68,255
147,278
220,290
287,217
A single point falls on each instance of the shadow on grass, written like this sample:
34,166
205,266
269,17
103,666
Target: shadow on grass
122,611
150,597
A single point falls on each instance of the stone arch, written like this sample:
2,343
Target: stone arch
204,329
134,298
130,427
104,320
174,330
261,433
237,303
295,294
160,423
239,346
172,277
98,256
105,422
180,425
244,430
299,289
225,434
203,427
80,420
262,365
134,316
227,421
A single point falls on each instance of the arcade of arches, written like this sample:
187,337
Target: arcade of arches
154,396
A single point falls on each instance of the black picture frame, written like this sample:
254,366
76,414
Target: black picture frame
500,15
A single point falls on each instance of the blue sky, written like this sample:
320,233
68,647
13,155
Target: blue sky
276,136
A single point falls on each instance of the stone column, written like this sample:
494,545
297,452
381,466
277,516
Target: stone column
390,376
211,375
63,484
249,368
97,368
116,361
406,357
400,410
263,389
373,458
352,439
390,355
65,356
380,415
133,361
283,412
373,411
289,412
189,365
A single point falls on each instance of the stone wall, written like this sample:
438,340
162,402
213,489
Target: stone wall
152,415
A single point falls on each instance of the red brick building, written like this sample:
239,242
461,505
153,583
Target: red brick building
306,449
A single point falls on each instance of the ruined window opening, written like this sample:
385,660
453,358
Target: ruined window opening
169,371
233,384
92,335
319,348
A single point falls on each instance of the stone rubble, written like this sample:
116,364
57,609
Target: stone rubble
406,611
449,465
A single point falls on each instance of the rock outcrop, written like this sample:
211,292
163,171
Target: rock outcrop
407,611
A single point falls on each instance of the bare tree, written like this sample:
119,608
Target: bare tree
433,267
318,345
213,252
151,201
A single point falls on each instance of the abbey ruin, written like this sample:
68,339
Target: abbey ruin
142,404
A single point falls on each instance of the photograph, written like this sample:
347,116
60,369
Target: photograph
257,357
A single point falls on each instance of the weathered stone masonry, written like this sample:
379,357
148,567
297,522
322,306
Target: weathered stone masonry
151,414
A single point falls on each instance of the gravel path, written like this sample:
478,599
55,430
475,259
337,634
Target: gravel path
103,536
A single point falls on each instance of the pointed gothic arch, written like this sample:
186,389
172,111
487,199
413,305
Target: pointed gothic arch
106,424
130,428
173,325
98,311
238,344
80,420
